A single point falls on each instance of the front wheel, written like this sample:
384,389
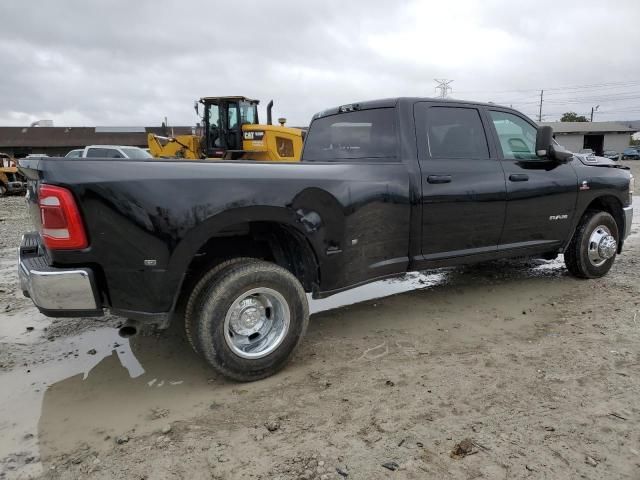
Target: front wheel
3,190
594,245
248,319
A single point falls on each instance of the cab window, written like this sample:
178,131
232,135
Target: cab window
456,133
213,115
248,113
360,136
517,136
232,116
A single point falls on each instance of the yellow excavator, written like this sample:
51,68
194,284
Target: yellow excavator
231,131
11,180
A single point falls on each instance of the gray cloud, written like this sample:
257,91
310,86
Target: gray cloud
132,63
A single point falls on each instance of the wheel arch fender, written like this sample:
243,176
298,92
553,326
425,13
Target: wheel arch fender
222,225
606,203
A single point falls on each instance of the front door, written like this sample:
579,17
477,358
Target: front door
541,193
463,186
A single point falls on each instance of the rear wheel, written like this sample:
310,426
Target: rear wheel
593,248
248,318
3,190
190,320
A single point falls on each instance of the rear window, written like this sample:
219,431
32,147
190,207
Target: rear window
365,135
103,153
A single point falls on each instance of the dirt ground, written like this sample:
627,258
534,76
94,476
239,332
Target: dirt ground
501,370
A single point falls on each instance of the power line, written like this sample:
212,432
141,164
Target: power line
598,86
567,87
575,101
592,98
624,94
605,90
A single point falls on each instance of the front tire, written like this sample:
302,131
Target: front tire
593,248
248,319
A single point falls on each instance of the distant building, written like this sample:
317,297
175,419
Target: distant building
597,136
57,141
635,124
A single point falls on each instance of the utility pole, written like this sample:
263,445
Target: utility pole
443,86
592,110
540,112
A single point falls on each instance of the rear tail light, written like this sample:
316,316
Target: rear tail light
62,227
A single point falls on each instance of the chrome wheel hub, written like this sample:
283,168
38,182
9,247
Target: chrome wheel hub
257,323
602,246
247,317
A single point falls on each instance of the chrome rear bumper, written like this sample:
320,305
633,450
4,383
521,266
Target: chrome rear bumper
57,292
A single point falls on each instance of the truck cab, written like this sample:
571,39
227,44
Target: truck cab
480,189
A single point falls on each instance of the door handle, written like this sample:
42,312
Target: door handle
518,177
439,179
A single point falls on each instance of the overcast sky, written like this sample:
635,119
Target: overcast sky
134,62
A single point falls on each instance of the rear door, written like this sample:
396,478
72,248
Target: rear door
463,185
366,210
541,193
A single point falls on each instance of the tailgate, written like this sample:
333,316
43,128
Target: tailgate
30,168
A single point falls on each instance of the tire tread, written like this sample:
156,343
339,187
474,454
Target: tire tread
194,298
214,288
574,258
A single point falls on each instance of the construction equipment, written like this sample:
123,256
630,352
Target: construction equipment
11,181
231,131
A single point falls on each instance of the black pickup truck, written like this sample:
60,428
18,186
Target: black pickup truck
232,247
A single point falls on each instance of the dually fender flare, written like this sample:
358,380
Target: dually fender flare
297,221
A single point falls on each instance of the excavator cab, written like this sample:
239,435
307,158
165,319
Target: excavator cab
224,118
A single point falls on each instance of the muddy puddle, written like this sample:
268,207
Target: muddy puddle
93,387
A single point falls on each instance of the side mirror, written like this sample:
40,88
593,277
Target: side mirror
544,141
546,148
196,107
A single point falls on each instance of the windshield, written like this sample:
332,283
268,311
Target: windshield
136,153
248,113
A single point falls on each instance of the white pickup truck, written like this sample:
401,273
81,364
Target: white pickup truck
108,151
